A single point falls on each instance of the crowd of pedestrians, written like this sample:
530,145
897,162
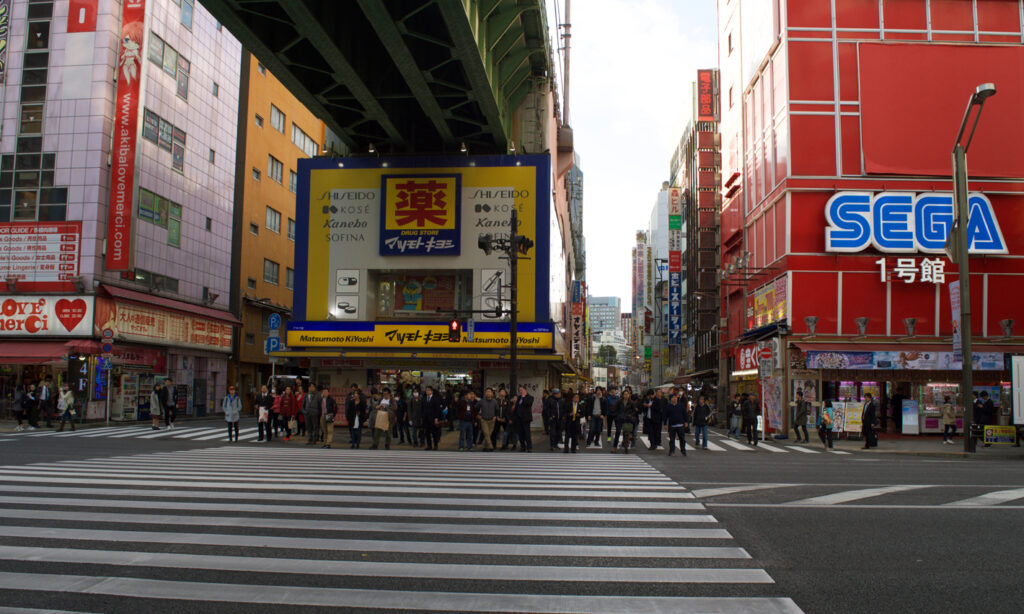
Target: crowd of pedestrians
487,420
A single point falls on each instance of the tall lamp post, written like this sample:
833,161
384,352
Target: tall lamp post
980,95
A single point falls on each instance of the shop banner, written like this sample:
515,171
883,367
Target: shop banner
427,335
839,410
1000,434
1017,369
421,215
5,32
954,306
911,418
126,120
902,360
46,316
771,395
42,256
747,357
131,322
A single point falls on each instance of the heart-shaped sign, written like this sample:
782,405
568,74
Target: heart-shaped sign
70,313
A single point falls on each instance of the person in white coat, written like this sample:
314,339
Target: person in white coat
232,406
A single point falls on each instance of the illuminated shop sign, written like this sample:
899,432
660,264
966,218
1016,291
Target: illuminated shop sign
905,222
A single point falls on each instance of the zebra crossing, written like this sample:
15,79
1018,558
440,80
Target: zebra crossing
721,443
194,433
376,530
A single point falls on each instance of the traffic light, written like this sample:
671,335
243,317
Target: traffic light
523,244
486,243
455,331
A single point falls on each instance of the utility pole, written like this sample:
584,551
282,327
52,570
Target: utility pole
513,259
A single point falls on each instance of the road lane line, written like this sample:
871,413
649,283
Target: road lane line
847,496
388,599
543,573
703,493
487,501
992,498
369,545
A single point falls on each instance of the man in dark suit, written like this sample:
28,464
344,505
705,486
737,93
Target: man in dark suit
431,418
868,417
524,416
554,417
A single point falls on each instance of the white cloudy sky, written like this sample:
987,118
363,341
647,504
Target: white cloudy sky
632,62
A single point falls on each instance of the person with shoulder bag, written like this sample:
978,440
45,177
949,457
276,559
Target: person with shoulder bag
329,412
232,406
381,419
66,407
825,423
264,402
800,419
156,404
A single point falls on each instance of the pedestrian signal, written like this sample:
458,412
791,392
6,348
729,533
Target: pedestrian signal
454,331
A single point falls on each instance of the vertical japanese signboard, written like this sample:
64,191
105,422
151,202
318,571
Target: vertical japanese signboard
126,120
675,267
707,95
577,320
5,32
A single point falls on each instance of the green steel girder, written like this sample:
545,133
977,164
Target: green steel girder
405,75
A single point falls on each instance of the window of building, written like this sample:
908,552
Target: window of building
178,138
38,35
166,139
254,228
188,10
273,220
209,224
170,62
250,283
219,26
150,126
156,49
250,339
183,69
40,9
259,120
304,141
293,181
256,173
271,271
213,157
291,229
289,278
274,168
261,68
31,118
216,89
174,225
277,119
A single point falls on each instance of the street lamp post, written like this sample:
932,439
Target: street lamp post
982,93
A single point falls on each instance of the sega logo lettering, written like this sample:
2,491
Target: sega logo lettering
905,222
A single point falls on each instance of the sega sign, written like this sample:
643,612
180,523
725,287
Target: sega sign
907,222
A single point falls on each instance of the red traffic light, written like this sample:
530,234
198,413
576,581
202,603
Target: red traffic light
454,331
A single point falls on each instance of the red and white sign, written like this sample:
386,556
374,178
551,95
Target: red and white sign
126,121
82,15
131,322
747,357
42,256
46,316
675,261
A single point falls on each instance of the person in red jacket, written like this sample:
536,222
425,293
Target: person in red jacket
288,411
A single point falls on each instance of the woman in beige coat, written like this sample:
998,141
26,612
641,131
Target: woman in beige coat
948,421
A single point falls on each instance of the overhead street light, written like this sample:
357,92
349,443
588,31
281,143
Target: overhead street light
982,93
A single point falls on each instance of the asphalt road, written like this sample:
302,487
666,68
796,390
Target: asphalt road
174,524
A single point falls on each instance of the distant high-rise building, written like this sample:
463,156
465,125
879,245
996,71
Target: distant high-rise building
605,313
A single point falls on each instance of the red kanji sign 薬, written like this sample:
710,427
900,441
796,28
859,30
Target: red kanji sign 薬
420,202
420,216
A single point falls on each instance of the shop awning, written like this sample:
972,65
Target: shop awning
31,352
756,334
151,300
827,346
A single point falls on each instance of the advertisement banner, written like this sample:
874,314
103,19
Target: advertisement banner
126,119
428,293
747,357
42,256
421,215
854,424
1017,370
415,335
1000,434
902,360
954,306
357,218
5,32
707,96
911,418
771,395
131,322
839,409
46,316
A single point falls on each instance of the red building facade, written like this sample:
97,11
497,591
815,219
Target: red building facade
843,115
